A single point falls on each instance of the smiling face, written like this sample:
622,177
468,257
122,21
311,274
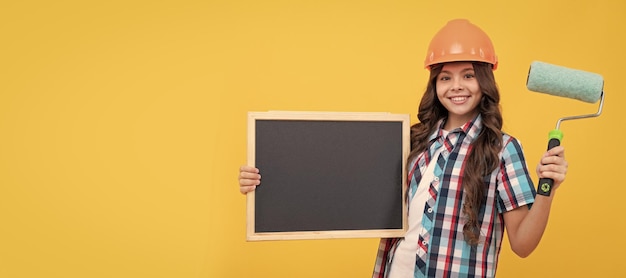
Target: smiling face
459,92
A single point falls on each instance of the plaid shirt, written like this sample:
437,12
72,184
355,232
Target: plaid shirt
448,254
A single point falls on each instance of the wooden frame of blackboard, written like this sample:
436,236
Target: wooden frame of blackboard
380,138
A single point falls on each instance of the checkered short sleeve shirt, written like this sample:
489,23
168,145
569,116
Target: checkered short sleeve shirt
508,187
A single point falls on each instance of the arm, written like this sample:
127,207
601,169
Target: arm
249,179
525,226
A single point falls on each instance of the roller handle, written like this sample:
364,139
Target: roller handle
545,184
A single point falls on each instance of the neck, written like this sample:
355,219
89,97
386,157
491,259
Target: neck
457,121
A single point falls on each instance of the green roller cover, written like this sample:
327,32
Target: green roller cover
564,82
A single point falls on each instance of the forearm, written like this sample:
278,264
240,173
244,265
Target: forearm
527,235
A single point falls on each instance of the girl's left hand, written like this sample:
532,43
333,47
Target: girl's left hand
553,165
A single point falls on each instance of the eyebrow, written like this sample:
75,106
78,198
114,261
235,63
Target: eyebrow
462,71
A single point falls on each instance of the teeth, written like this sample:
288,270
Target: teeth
458,99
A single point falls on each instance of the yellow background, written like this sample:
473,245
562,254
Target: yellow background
123,124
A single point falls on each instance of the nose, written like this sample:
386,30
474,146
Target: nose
457,84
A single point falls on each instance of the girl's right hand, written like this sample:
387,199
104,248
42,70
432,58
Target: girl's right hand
249,179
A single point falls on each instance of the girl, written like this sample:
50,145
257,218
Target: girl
468,179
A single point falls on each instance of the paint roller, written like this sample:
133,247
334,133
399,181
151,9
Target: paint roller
565,82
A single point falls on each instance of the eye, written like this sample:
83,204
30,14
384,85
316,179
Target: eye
444,78
469,75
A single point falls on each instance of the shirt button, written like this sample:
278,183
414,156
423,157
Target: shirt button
430,210
425,243
436,179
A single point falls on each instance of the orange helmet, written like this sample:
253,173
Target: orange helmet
460,40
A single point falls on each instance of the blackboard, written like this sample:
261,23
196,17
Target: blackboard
327,175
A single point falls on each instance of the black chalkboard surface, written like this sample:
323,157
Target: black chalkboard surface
327,175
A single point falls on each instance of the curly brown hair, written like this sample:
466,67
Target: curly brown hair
483,157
